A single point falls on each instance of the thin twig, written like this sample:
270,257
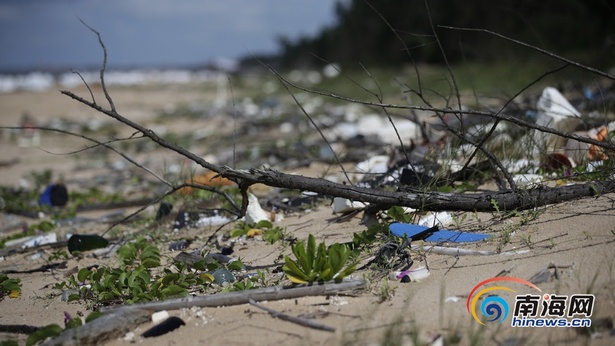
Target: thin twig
85,83
516,121
322,135
104,65
293,319
99,143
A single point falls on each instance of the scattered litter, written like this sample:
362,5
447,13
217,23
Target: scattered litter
34,241
255,213
166,326
54,195
159,316
223,276
409,230
436,219
455,251
452,299
86,242
527,180
186,219
180,245
344,205
556,112
164,209
411,275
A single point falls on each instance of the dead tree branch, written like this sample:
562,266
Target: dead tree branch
424,200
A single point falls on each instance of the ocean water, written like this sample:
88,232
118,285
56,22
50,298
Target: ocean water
41,81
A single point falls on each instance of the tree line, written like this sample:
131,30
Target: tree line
372,32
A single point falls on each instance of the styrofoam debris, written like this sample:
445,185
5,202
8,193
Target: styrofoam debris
432,219
527,180
344,205
159,316
212,221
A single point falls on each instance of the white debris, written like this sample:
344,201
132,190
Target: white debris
527,180
255,212
159,316
417,274
212,221
556,112
344,205
33,241
433,219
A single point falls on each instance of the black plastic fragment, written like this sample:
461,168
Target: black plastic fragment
168,325
163,210
86,242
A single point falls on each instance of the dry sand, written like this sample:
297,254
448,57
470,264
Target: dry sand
579,234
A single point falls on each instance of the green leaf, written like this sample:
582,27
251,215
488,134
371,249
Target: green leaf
73,297
83,274
291,268
398,214
42,334
92,316
238,232
174,291
235,265
264,224
151,262
74,323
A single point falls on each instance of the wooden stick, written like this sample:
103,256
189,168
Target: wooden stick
297,320
102,329
244,297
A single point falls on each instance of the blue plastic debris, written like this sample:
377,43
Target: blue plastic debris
440,236
55,195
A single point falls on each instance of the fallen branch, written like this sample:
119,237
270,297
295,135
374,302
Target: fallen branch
297,320
423,200
244,297
102,329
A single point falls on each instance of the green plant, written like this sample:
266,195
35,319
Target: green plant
134,280
271,234
53,330
59,254
385,291
10,287
320,263
527,240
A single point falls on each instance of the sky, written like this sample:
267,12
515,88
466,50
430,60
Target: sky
48,34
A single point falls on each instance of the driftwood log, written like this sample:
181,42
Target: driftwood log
102,329
244,297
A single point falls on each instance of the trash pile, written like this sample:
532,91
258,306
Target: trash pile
362,148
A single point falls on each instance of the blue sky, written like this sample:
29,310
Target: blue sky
47,33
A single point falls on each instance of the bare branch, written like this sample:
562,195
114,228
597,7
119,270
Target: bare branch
98,143
104,65
322,135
